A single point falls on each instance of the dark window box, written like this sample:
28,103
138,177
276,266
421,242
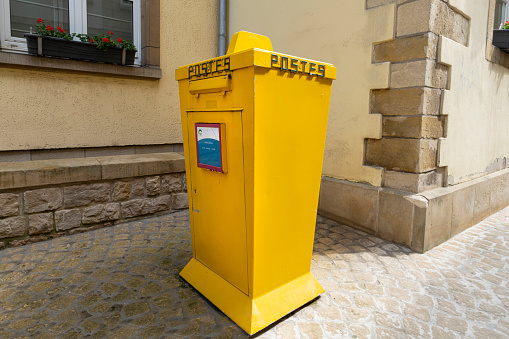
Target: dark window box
501,39
77,50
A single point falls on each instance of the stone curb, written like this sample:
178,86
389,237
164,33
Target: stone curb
65,171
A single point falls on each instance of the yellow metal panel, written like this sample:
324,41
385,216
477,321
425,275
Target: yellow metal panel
234,303
242,41
215,84
282,300
253,226
252,315
218,202
290,132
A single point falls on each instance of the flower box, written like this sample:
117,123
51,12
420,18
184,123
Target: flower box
77,50
501,39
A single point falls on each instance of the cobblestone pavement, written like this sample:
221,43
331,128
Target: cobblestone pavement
122,282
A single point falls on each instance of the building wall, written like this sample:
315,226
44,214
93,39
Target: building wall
42,109
342,33
443,148
477,141
460,138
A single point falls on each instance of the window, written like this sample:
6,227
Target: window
501,14
123,17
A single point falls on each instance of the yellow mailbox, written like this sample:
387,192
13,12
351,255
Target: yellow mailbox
254,124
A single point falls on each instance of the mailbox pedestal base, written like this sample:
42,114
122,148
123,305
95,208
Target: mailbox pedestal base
251,314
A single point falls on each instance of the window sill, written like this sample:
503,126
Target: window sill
24,61
496,55
493,53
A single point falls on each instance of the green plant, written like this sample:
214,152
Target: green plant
505,25
103,41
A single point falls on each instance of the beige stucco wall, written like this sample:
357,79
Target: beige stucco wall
340,32
41,109
476,104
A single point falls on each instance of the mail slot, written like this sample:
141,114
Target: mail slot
254,124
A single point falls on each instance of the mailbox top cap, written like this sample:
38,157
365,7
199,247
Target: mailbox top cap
249,49
243,40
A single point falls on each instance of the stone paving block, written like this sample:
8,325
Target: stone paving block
40,223
440,215
414,17
373,288
128,166
100,213
406,49
67,219
395,217
427,127
138,188
171,183
413,182
13,227
121,190
419,73
132,208
9,205
179,201
184,182
402,154
405,102
483,192
41,200
137,207
81,195
356,206
463,202
162,203
499,193
153,185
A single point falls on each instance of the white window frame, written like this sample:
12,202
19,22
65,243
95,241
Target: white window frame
77,23
505,14
8,42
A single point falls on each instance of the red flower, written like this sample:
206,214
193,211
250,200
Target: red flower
40,21
49,28
106,40
119,40
110,32
60,29
91,40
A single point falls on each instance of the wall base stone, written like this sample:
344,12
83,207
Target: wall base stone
9,204
418,221
40,200
40,223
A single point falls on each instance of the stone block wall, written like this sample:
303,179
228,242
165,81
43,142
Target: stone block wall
119,188
412,122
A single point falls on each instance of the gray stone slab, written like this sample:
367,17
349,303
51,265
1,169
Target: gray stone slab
49,154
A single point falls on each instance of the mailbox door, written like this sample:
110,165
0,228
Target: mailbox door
218,200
